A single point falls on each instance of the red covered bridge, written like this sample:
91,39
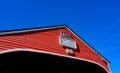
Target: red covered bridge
55,49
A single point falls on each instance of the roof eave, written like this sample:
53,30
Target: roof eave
7,32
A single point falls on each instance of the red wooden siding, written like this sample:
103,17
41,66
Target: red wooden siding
48,40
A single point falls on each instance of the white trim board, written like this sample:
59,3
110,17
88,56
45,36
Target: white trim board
51,53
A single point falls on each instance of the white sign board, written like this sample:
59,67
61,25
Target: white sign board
68,42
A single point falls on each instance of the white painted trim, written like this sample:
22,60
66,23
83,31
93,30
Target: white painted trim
109,68
51,53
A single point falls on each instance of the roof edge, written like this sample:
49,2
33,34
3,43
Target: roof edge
88,44
7,32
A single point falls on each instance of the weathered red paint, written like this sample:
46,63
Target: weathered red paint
48,40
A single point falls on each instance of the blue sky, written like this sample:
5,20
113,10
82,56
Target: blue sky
96,21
